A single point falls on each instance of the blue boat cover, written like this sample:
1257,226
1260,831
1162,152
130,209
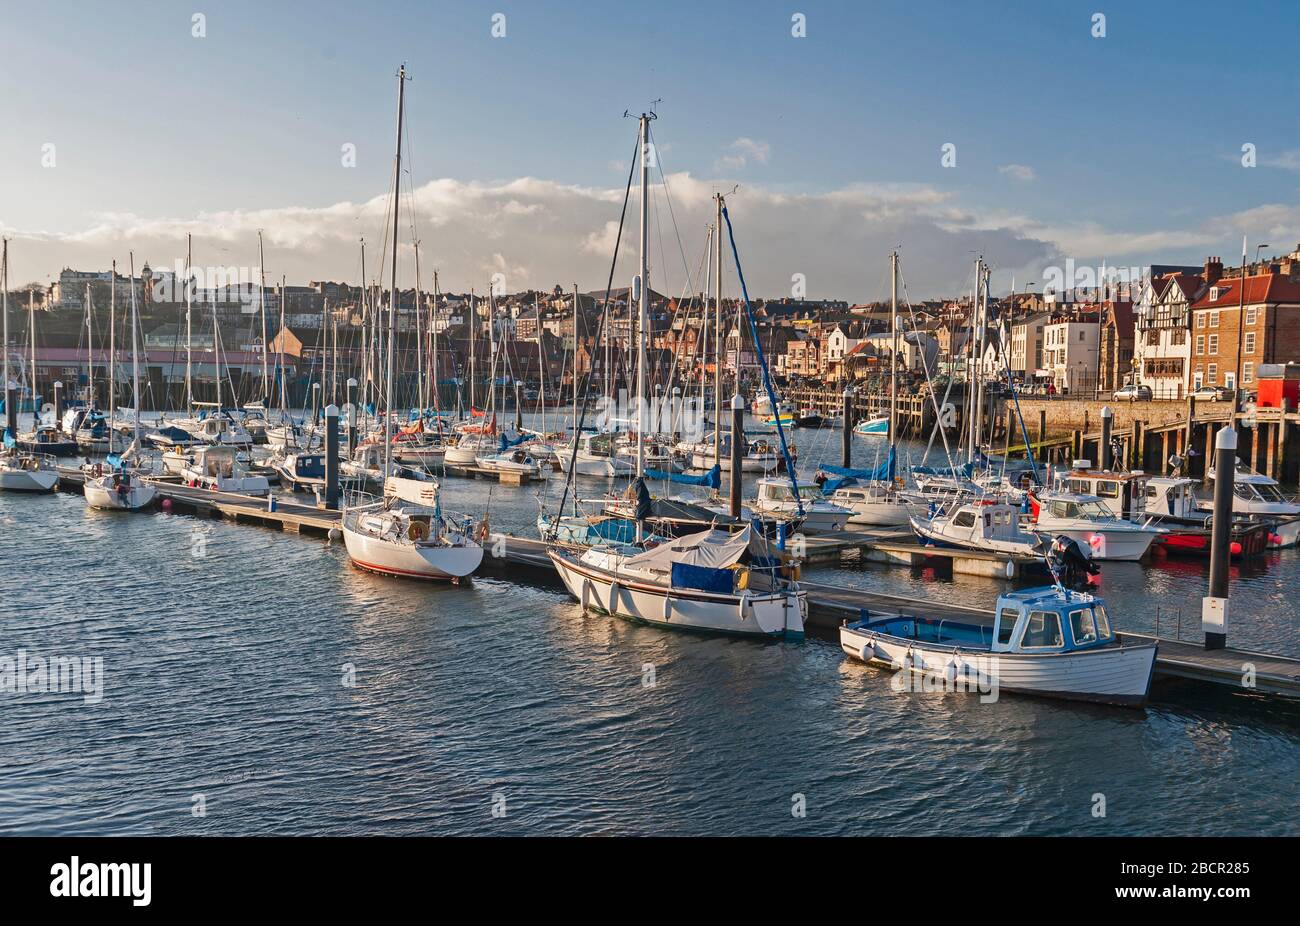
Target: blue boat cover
712,479
845,476
507,443
175,434
703,578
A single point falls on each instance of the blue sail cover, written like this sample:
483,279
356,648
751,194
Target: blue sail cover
507,442
9,441
956,472
845,476
712,479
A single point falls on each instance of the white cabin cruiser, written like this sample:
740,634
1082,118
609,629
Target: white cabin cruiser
775,499
759,457
516,460
1042,641
993,527
1085,519
1259,497
216,468
596,457
690,583
878,504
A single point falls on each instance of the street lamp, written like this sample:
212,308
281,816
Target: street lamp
1241,327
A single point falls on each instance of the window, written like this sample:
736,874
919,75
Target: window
1249,345
964,519
1043,629
1214,293
1248,372
1082,626
1212,373
1200,319
1214,319
1250,315
1200,344
1007,624
1108,489
1214,344
1177,336
1103,622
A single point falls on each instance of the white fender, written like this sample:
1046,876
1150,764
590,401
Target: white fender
744,604
586,593
668,607
867,652
613,598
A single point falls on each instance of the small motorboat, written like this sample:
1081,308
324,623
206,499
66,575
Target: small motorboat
301,472
1042,641
872,427
517,460
990,526
1260,498
775,498
1185,529
878,504
215,467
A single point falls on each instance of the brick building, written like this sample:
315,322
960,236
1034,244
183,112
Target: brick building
1234,332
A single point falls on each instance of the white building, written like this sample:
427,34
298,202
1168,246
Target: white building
1026,354
1070,353
1161,341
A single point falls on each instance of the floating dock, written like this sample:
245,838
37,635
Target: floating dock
902,548
829,605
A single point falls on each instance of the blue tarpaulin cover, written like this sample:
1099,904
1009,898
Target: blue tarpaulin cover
703,578
845,476
712,479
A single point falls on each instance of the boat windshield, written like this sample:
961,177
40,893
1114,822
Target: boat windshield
1270,493
1042,630
1103,622
1094,510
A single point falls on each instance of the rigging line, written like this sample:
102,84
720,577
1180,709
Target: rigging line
762,365
609,284
925,367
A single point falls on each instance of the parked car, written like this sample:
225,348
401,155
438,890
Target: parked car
1213,393
1134,391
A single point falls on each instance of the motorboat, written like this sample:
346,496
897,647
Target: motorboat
301,472
404,534
27,472
216,468
1047,641
1260,498
596,456
1085,519
46,439
1172,506
775,498
993,527
878,504
516,460
708,581
759,457
872,427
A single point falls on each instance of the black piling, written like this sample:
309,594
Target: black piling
738,445
332,457
1214,608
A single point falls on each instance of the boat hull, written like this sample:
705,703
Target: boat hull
21,480
779,615
1119,675
1114,546
409,560
101,494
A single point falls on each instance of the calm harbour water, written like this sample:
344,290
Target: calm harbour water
224,678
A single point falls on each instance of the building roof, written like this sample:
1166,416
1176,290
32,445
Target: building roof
1261,288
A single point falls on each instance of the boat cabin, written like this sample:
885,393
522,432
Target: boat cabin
1256,492
977,521
215,460
1050,619
1122,493
777,490
1172,497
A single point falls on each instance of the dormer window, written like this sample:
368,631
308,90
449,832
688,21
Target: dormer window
1214,293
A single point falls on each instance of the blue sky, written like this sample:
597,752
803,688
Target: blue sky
1126,147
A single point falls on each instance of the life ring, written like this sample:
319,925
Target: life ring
484,530
417,531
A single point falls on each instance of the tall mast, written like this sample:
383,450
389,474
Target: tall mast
261,293
11,419
365,330
189,305
392,296
419,341
642,314
90,350
216,341
135,360
279,360
433,350
112,354
31,327
893,328
541,362
717,341
473,324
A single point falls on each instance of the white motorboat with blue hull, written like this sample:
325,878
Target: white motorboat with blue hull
1043,641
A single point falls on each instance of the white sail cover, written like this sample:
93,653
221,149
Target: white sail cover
715,549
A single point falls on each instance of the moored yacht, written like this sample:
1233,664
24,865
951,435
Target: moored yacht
1085,519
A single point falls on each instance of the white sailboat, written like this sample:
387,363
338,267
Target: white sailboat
404,533
122,487
19,471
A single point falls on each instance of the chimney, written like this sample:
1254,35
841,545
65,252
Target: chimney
1213,271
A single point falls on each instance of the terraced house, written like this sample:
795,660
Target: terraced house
1235,329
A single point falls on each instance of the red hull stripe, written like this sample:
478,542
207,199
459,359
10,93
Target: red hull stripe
388,570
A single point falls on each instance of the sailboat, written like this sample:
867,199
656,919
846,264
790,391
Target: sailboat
122,486
19,471
711,580
404,533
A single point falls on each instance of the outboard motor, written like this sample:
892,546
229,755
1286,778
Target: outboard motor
1075,567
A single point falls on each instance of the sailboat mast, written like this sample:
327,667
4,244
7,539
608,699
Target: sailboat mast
112,354
11,420
419,341
31,326
473,325
433,350
365,330
541,363
392,296
90,349
717,342
893,328
642,313
135,360
261,292
189,305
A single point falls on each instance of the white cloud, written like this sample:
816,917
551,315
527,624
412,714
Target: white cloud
741,152
1018,172
1286,160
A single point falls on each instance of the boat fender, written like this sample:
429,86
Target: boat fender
668,607
585,597
613,599
867,652
952,671
744,605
